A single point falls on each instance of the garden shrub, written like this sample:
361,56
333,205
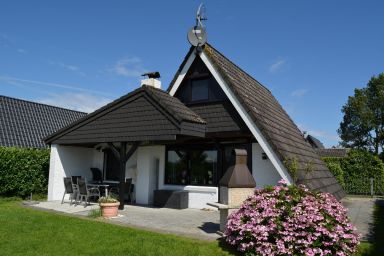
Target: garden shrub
23,171
291,220
334,165
358,167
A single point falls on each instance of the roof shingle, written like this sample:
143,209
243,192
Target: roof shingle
25,123
275,124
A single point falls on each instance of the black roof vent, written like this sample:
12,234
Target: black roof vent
238,175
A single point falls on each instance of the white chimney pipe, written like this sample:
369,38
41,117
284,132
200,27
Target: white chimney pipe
151,82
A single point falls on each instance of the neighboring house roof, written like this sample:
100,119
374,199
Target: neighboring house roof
25,123
146,114
315,143
273,122
332,152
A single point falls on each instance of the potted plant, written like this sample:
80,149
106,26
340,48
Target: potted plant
108,206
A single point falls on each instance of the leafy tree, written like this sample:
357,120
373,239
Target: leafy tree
363,123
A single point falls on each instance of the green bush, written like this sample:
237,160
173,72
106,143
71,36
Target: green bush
358,167
354,171
23,171
334,165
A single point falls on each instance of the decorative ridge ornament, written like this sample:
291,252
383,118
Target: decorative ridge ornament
197,35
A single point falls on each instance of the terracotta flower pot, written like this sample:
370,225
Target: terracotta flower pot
109,210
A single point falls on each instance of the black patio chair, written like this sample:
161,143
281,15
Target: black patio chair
74,179
86,191
97,175
70,189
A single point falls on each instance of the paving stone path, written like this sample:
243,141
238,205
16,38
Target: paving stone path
360,212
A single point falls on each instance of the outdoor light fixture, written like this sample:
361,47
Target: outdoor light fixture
264,156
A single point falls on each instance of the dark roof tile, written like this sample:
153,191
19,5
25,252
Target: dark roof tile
275,124
25,123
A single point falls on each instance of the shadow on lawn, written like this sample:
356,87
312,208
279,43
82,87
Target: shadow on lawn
376,235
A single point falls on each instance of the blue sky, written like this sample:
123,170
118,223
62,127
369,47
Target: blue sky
83,54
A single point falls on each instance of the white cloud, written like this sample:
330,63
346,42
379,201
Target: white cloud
129,67
69,67
22,51
10,79
77,101
277,65
299,93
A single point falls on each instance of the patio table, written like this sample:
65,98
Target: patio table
100,185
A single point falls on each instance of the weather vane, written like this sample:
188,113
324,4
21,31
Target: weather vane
197,35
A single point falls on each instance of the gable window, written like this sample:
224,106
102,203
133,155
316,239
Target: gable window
199,89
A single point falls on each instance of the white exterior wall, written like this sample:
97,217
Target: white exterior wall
263,170
69,161
146,172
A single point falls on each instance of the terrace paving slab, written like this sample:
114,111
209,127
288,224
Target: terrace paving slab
201,224
194,223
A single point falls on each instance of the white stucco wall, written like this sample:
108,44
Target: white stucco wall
146,171
68,161
262,169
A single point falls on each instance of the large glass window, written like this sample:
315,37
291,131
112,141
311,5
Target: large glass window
191,167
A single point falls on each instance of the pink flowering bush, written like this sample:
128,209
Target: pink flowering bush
291,220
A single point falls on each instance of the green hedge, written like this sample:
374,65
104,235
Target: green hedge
354,171
334,165
23,171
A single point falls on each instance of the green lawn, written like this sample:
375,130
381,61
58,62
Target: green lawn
25,231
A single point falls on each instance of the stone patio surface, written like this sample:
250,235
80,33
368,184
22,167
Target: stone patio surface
195,223
201,224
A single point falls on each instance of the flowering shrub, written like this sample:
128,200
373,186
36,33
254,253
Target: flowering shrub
291,220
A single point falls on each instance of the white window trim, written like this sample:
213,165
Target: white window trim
239,108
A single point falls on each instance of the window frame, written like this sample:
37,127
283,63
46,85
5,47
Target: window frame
189,171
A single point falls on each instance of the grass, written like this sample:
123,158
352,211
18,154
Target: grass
26,231
94,213
375,247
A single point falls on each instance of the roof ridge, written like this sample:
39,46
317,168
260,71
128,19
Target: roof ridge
242,70
149,89
161,101
42,104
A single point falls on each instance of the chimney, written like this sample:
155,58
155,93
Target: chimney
236,185
152,80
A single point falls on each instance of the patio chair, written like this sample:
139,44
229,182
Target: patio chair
70,189
86,191
74,179
97,175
